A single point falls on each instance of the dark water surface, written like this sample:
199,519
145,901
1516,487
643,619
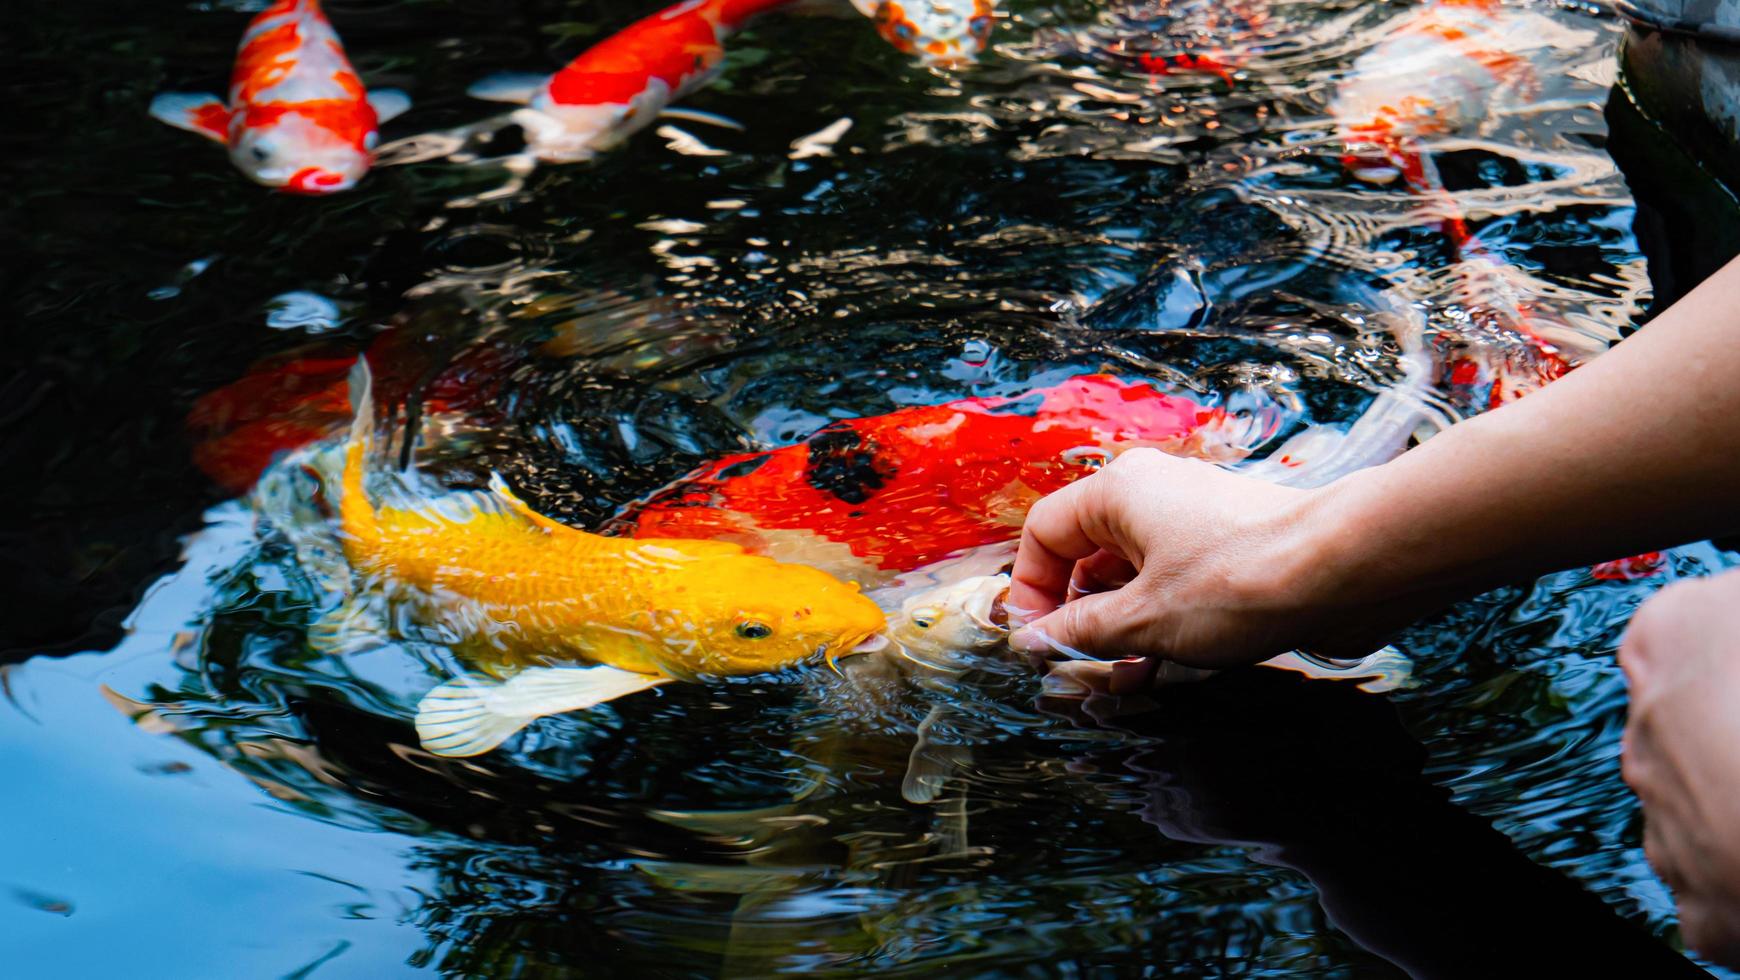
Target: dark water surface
190,791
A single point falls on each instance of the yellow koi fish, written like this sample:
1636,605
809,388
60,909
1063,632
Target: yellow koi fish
507,587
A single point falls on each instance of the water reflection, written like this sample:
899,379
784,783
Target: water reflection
1063,209
1322,778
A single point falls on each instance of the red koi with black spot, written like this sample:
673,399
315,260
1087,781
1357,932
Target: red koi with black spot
902,490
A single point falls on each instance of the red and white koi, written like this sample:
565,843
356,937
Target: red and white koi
624,82
298,117
1444,68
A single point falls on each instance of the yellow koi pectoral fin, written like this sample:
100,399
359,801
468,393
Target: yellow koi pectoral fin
471,715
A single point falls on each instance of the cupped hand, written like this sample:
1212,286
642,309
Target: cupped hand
1156,560
1682,751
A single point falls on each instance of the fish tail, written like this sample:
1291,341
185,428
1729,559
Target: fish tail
1324,453
356,512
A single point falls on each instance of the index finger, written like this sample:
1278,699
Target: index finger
1060,531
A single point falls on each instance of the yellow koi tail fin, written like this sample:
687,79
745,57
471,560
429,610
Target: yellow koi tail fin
356,513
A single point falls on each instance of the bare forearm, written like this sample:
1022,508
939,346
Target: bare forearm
1636,451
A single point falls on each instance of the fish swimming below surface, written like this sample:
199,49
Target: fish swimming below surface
623,83
299,397
869,497
515,593
297,118
1445,68
1448,69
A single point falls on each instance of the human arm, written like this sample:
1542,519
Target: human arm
1638,450
1682,751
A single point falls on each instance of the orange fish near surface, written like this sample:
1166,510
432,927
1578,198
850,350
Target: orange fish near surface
908,488
507,588
297,117
621,84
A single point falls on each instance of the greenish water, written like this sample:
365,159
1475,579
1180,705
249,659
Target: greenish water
192,792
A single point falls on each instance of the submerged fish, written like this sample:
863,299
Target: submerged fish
1445,68
621,84
300,397
509,588
906,489
297,117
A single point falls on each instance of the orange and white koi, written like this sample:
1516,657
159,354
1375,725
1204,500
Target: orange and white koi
622,83
1444,68
298,118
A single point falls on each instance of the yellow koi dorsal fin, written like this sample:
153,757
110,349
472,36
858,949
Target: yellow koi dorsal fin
514,505
495,508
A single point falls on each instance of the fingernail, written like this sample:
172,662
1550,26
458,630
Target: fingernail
1028,640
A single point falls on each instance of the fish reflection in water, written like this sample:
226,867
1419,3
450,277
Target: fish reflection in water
484,574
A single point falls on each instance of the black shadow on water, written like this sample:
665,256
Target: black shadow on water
1322,778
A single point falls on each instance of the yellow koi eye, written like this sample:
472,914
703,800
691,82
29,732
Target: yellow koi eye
752,630
926,618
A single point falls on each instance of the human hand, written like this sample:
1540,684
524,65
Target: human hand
1681,656
1157,559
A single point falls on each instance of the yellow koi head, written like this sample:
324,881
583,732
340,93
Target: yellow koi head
737,614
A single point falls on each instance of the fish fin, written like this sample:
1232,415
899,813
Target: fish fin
507,86
704,118
931,763
362,400
513,504
950,829
1378,673
472,714
196,112
733,823
388,103
355,625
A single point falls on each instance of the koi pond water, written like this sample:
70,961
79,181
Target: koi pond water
1159,197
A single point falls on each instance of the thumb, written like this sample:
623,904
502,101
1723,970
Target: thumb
1103,626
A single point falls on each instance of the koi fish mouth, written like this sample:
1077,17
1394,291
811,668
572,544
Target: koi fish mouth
313,180
869,644
985,606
